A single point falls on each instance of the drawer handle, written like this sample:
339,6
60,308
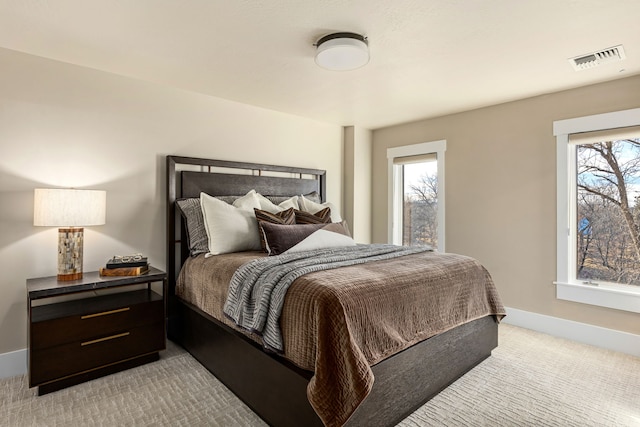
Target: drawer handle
104,313
124,334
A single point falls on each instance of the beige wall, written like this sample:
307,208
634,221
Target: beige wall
500,187
62,125
357,182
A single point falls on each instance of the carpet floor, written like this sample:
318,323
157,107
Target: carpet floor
531,379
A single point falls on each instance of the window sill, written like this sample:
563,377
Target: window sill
611,296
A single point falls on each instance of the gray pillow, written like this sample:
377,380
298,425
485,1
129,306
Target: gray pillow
196,232
276,200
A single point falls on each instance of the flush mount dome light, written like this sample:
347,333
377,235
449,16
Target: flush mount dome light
342,51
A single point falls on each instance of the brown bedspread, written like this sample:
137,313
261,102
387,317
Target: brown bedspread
338,323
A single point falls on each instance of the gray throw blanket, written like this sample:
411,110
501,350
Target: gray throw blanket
258,288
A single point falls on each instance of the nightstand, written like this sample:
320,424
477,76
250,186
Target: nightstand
91,336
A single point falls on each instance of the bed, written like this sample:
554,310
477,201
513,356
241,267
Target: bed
278,387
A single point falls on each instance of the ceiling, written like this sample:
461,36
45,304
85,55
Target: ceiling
428,57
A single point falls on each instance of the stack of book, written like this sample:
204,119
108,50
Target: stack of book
133,265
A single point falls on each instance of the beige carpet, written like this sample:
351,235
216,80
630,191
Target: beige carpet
531,379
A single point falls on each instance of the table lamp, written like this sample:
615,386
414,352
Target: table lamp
71,210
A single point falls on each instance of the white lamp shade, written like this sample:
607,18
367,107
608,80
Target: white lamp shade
56,207
342,51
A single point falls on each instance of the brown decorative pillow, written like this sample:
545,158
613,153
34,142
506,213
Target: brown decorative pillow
304,237
286,217
320,217
279,238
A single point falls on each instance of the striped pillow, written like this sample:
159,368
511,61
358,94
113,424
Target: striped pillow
286,217
321,217
196,232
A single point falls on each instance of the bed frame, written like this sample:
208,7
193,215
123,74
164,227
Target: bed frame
271,386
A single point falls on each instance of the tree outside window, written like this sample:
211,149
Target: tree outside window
608,211
420,215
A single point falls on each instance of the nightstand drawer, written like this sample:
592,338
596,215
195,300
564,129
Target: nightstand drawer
72,358
84,320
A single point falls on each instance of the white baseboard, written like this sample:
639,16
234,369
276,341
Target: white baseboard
597,336
13,363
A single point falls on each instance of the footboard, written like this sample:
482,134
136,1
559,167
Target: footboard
276,390
412,377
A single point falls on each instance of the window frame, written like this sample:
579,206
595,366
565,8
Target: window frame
621,297
396,191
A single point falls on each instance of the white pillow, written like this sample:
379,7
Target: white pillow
248,201
269,206
313,207
231,228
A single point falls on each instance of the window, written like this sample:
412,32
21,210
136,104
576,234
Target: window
608,209
420,202
416,191
598,235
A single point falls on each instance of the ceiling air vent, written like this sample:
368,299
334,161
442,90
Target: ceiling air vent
600,57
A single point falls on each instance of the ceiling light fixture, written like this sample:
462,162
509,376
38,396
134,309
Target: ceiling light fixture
342,51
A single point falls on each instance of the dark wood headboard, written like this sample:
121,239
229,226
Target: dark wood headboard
189,176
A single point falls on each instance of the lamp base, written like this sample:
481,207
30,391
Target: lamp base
70,245
67,277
